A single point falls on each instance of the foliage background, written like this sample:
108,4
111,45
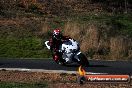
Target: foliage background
102,27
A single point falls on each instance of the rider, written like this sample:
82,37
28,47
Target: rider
55,41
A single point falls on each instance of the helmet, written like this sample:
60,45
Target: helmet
57,34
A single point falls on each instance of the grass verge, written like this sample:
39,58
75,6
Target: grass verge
23,48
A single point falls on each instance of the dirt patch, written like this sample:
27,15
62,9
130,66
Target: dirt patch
58,80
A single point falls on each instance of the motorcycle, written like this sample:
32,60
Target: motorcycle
70,53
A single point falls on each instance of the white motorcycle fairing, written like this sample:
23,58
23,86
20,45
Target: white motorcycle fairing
70,51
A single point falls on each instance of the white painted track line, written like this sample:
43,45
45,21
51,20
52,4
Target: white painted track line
46,71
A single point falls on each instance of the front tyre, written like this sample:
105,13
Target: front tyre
83,60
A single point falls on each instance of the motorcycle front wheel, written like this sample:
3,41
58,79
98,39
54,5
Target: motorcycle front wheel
83,60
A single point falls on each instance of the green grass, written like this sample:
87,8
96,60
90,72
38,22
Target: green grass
21,41
22,85
23,48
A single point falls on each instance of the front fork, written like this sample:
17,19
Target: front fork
76,56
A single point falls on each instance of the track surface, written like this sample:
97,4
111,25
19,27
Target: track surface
110,67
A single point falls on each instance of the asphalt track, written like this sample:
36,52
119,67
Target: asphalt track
109,67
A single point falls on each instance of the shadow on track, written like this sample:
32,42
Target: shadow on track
1,64
76,65
97,66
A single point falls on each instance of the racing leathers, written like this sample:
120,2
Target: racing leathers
54,47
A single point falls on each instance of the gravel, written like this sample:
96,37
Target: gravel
58,80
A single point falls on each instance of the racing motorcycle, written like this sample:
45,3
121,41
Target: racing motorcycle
70,53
